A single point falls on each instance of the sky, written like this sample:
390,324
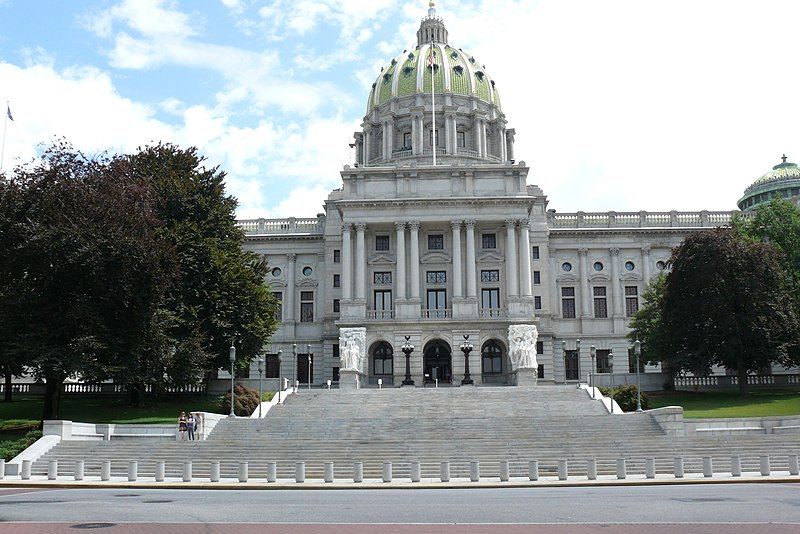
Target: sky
622,105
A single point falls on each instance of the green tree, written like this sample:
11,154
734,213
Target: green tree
647,324
219,292
726,302
84,270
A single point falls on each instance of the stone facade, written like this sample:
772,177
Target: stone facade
435,240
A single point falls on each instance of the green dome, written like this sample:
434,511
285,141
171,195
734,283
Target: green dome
783,180
454,72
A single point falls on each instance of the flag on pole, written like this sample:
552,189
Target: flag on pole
8,112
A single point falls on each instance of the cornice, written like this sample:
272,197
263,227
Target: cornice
284,237
630,230
486,201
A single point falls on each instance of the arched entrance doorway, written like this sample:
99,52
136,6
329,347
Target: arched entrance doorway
437,361
493,370
382,363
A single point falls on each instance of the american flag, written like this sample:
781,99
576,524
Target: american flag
8,112
432,58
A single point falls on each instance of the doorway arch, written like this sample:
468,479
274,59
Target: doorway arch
382,362
437,362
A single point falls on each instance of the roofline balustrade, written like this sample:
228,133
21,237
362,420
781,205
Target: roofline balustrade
288,226
642,219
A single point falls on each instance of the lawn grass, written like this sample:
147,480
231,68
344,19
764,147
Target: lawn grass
706,405
103,409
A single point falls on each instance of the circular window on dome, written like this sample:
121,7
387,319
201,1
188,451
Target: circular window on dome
459,70
307,271
454,55
276,272
566,266
408,70
598,266
387,78
480,75
661,265
629,266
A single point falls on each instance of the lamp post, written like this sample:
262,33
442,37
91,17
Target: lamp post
578,353
260,384
407,349
232,358
611,372
466,348
308,356
294,364
593,354
637,350
280,375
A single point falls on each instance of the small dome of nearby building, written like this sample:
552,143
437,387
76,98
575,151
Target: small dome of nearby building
783,180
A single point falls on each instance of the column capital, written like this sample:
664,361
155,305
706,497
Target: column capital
583,251
614,251
524,223
413,225
346,227
292,257
469,223
646,251
400,226
510,223
360,226
456,224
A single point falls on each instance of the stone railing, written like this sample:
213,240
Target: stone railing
641,219
729,381
493,312
290,225
380,314
81,388
437,314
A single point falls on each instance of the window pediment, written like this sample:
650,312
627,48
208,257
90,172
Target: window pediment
381,259
307,282
435,257
629,277
490,257
568,278
598,277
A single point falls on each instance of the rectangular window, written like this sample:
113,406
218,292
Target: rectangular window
383,300
437,299
436,277
272,366
336,305
336,352
602,360
540,347
540,371
568,302
490,299
337,256
535,253
600,303
407,140
382,278
335,377
537,302
489,241
306,306
462,139
279,299
490,276
438,138
436,242
337,280
571,365
631,300
382,242
537,277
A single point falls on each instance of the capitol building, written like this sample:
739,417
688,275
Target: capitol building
438,232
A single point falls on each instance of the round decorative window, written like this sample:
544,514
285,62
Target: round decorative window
566,266
661,265
598,266
629,266
276,272
307,271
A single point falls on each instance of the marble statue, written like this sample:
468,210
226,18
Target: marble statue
353,348
522,346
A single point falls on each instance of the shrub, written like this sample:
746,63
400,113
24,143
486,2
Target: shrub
246,401
626,397
9,449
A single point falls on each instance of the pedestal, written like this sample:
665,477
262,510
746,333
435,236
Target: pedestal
527,377
349,380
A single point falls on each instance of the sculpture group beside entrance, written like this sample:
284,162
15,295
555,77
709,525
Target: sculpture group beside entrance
353,356
522,353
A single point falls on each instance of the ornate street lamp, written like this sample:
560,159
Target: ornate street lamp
578,353
407,349
593,354
466,348
232,358
308,356
260,384
611,372
280,375
637,350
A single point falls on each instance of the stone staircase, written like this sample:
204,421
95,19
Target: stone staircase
401,425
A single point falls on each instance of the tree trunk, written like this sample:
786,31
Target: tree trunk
744,387
7,393
52,398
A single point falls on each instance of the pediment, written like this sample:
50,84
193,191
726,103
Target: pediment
629,277
307,282
276,283
568,278
382,259
493,257
435,257
599,278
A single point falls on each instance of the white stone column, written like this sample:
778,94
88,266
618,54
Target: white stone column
457,267
347,263
503,148
390,138
616,293
511,258
415,148
401,260
290,287
367,145
472,289
586,309
414,258
476,122
525,282
447,135
484,142
385,140
454,133
361,260
646,265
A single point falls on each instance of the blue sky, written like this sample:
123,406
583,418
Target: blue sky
618,104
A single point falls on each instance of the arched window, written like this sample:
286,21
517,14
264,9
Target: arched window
492,358
382,360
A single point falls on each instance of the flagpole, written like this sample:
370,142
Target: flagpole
433,103
5,126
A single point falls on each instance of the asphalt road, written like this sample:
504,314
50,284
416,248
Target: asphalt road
706,508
